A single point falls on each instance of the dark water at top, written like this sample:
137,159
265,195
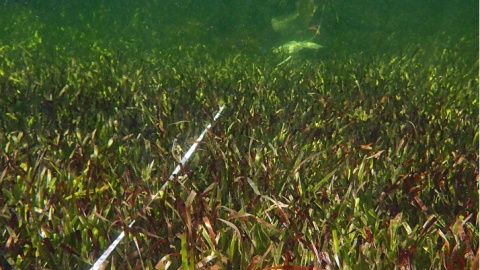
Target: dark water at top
344,27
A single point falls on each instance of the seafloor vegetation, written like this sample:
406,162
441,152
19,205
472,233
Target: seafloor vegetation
342,161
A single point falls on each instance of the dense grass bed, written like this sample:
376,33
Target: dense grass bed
341,162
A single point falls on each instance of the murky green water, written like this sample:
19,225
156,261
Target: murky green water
344,27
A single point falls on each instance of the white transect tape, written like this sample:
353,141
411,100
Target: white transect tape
187,155
109,250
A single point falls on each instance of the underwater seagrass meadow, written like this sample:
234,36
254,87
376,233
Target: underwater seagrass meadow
356,149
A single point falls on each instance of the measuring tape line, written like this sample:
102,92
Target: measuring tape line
97,265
